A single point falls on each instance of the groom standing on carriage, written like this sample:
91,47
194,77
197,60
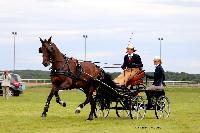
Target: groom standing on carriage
132,66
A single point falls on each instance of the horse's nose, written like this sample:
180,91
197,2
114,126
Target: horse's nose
45,64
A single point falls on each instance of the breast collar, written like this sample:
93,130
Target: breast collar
66,70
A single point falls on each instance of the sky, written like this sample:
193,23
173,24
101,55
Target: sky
108,24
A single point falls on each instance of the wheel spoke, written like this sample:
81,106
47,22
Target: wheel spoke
167,113
162,107
121,109
138,110
140,114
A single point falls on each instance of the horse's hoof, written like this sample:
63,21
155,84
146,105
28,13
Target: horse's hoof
77,111
95,115
89,119
64,104
44,115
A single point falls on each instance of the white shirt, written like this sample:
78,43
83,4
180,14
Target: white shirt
6,80
157,65
130,55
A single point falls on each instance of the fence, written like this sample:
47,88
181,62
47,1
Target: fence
36,81
168,83
179,83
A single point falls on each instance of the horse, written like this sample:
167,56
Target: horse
67,73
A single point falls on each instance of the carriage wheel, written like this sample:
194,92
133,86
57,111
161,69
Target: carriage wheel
121,110
101,111
138,108
162,108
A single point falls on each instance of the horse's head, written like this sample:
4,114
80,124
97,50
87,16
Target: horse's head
46,50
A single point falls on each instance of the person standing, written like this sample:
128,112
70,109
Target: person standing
131,66
158,85
6,84
159,75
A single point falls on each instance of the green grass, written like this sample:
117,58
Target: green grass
22,114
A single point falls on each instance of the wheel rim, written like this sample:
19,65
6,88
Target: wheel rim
11,93
138,108
102,113
162,108
101,110
121,111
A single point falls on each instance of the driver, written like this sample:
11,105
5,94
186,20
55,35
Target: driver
131,66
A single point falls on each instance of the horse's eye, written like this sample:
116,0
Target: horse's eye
50,49
40,50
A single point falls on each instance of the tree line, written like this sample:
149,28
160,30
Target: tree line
170,76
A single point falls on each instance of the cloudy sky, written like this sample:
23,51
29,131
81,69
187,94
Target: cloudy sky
108,24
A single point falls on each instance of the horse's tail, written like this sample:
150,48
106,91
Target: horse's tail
107,79
106,88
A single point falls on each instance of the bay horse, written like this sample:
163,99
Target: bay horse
68,73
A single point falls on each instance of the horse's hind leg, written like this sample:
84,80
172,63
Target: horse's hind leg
46,107
87,100
92,103
58,99
93,107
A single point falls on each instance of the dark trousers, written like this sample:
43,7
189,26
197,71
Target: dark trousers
153,94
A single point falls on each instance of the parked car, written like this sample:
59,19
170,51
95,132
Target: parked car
16,86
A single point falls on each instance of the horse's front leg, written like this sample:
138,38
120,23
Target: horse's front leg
46,107
58,99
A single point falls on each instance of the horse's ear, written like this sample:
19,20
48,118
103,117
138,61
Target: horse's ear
41,40
49,40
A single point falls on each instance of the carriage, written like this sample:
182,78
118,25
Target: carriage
129,102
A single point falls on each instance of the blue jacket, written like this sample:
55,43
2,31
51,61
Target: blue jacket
135,62
159,76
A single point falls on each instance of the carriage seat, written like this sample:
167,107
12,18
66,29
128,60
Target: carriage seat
137,79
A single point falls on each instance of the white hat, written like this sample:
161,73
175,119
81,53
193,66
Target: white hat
130,46
157,58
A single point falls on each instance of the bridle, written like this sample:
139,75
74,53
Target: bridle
50,53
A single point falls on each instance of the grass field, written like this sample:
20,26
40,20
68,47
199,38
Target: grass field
22,115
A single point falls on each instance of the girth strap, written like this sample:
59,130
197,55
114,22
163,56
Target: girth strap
65,73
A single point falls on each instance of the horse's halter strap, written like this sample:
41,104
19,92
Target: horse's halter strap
51,54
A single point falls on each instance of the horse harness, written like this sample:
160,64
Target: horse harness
68,73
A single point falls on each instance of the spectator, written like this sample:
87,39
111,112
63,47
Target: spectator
6,84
